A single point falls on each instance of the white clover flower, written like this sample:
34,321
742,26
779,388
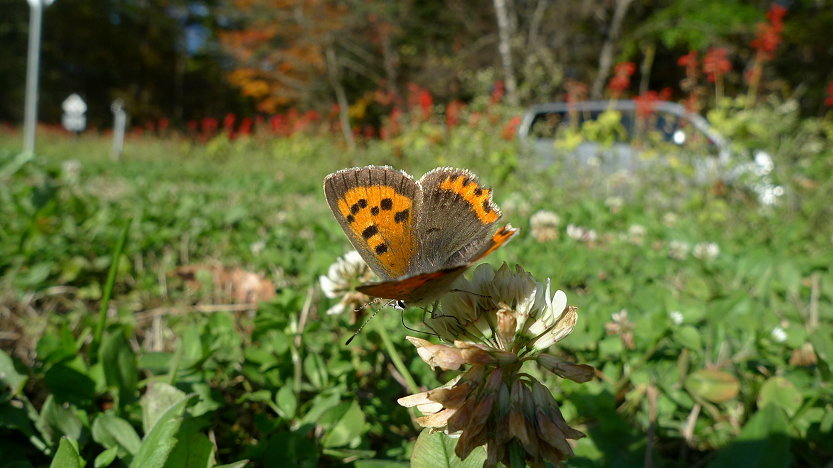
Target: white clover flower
341,280
676,317
581,234
71,169
544,225
678,250
670,219
636,234
257,247
539,317
614,204
706,251
621,325
779,335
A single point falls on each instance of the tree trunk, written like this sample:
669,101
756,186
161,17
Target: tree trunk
341,96
390,60
606,56
505,49
649,53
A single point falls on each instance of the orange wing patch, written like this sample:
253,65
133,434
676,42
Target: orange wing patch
502,236
478,198
382,218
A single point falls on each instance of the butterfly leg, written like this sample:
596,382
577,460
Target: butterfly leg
431,314
402,309
484,296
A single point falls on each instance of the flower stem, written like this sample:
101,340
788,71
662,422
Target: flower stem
394,356
516,459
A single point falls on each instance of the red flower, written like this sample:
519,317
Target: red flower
452,113
277,123
163,124
766,40
624,68
498,92
688,60
192,125
716,64
775,16
209,125
228,121
621,80
645,102
246,126
312,116
768,36
426,103
829,101
510,129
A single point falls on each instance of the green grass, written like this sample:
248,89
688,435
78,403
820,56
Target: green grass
182,371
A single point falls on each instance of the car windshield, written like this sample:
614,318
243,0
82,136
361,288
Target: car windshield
620,126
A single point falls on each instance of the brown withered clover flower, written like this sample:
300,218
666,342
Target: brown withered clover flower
503,319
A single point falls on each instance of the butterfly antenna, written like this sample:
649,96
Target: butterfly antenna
361,327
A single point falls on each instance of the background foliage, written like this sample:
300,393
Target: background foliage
187,60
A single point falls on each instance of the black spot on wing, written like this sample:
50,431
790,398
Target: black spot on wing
401,216
370,231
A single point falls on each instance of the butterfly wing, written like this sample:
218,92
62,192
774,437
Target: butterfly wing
453,232
378,208
457,218
418,289
426,287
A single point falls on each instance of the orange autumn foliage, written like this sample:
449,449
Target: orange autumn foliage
280,48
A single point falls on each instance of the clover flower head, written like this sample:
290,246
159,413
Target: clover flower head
341,280
71,169
636,234
676,317
670,219
581,234
779,335
706,251
621,325
678,250
614,204
544,225
497,321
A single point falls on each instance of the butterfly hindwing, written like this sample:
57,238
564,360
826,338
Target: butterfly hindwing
417,289
377,207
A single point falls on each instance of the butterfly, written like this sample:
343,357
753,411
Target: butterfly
417,236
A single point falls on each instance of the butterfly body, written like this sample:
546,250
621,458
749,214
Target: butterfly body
417,236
